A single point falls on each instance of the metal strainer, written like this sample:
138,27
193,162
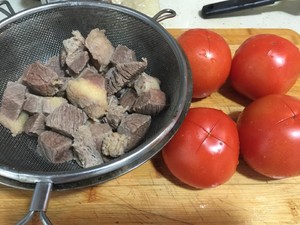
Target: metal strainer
37,34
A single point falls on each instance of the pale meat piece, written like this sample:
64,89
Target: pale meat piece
100,47
54,64
99,130
115,114
77,61
15,126
41,80
151,102
128,98
88,93
51,103
73,44
145,83
122,54
135,126
35,124
122,74
33,103
55,147
115,144
66,119
85,150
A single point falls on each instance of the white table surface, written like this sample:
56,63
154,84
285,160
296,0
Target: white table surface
282,14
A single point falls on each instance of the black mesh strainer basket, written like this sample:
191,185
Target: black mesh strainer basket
37,34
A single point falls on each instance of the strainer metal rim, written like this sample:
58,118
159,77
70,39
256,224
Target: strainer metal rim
134,158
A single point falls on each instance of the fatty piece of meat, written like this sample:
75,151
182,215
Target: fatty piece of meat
100,47
115,114
74,43
85,149
77,61
51,103
55,147
128,98
66,119
54,64
123,74
41,80
150,103
33,103
13,100
35,124
135,126
99,130
115,144
122,54
89,94
145,83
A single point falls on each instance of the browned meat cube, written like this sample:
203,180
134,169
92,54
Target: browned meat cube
100,47
33,104
151,102
88,93
122,54
134,126
86,153
115,144
66,119
41,80
13,100
99,130
35,124
128,99
122,74
55,147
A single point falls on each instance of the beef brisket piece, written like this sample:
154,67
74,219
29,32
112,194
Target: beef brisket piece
85,151
35,124
100,47
55,147
122,54
134,126
128,99
74,44
13,100
77,61
99,130
33,103
151,102
115,144
89,94
54,64
51,103
41,80
66,119
145,82
122,74
115,114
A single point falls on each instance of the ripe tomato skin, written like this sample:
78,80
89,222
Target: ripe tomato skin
204,152
269,132
265,64
209,57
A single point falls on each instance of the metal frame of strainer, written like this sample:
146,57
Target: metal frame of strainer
44,184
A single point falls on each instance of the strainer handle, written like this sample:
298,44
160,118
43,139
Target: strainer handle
39,203
164,14
10,11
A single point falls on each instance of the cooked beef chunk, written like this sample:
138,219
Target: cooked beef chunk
151,102
62,58
112,101
51,103
134,126
123,74
74,44
66,119
13,100
115,144
15,126
54,64
128,99
100,47
145,82
114,115
35,124
77,61
41,80
33,103
89,94
55,147
99,130
122,54
85,149
89,71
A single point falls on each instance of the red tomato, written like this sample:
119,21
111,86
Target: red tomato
265,64
204,152
269,131
209,57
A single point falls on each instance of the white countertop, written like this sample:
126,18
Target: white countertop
282,14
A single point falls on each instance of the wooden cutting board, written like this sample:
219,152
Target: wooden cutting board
151,195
